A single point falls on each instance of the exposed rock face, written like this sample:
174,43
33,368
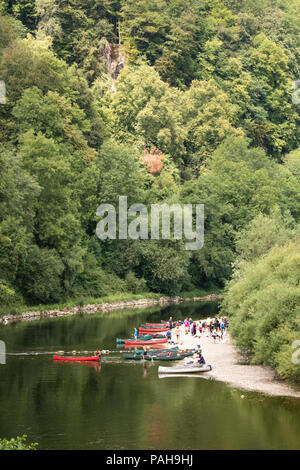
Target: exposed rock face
115,57
101,308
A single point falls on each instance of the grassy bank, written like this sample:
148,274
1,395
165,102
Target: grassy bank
124,296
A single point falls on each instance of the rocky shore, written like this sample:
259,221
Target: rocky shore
102,308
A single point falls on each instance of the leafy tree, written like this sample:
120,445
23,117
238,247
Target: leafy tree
40,275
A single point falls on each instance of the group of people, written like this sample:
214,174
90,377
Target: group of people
214,327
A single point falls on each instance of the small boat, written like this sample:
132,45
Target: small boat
140,338
157,325
157,351
141,343
153,357
186,368
164,376
76,358
152,330
166,355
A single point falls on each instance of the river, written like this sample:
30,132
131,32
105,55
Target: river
121,404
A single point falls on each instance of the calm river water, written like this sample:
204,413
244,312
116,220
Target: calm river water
121,405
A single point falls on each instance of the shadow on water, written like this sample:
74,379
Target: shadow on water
122,404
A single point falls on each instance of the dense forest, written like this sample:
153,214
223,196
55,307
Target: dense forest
164,101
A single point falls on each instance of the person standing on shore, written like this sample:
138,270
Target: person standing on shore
222,326
214,334
177,334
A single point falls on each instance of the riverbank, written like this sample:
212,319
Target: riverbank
226,367
104,307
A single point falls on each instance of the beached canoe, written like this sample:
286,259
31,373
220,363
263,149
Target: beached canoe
185,368
140,338
152,330
76,358
149,342
157,325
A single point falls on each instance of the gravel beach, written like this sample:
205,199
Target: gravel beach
224,359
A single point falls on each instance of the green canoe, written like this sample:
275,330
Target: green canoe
140,338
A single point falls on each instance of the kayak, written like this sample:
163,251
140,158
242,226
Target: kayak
150,341
152,330
78,358
187,368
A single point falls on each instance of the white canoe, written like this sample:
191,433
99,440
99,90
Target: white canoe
184,369
200,376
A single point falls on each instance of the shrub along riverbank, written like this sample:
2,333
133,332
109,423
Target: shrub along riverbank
263,298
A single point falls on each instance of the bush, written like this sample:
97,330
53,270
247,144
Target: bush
134,284
17,443
263,301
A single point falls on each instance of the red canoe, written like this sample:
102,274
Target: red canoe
78,358
152,330
150,341
157,325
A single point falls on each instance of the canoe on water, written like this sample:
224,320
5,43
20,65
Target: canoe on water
186,368
157,325
157,351
172,355
148,342
76,358
163,357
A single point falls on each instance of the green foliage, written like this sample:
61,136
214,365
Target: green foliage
135,285
17,443
40,275
205,87
263,301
